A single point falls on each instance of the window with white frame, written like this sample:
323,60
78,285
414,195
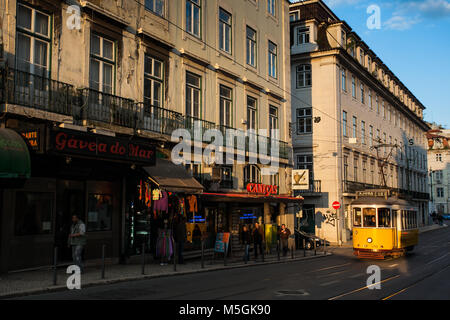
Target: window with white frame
304,120
273,118
251,47
251,113
193,94
153,81
294,16
363,132
193,17
252,174
102,64
440,192
271,6
155,6
302,35
272,55
344,80
33,40
224,31
353,87
305,161
303,73
344,123
226,105
362,93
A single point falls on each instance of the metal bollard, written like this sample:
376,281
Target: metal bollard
325,246
203,254
292,251
225,249
55,262
175,257
263,252
278,250
314,246
143,259
103,261
304,248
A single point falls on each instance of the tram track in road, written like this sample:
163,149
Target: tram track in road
431,274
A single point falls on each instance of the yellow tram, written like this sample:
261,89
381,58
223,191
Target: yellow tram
384,225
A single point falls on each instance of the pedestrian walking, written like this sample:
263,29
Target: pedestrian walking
245,240
258,239
284,238
77,240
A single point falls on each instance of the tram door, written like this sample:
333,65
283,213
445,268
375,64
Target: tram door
394,225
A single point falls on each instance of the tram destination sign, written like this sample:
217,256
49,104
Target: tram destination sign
384,193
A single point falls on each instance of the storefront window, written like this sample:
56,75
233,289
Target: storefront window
34,213
100,208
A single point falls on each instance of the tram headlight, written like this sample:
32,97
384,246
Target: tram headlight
369,240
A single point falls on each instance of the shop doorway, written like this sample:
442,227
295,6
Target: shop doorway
70,199
308,221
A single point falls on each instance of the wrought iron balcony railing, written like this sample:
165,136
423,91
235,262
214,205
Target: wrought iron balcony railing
37,92
86,104
315,186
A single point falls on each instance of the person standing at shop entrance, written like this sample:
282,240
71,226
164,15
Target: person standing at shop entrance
180,238
258,239
245,239
284,238
77,240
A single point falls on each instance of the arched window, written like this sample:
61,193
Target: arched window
252,174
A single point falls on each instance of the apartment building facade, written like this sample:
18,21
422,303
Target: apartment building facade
439,169
357,126
124,76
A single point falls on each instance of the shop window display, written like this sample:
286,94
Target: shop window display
99,212
34,213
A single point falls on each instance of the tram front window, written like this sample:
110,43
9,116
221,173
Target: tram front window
357,217
369,215
384,217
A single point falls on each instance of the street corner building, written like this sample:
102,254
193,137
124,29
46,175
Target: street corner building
90,95
356,125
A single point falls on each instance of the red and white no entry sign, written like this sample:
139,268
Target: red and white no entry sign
336,205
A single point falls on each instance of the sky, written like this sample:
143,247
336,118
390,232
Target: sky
413,40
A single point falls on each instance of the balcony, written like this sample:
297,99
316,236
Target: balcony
89,106
315,187
33,91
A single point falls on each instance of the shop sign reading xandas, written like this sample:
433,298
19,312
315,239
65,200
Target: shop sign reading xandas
262,188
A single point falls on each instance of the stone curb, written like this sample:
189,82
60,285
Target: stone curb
145,277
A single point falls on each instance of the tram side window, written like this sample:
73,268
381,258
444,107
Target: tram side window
357,217
394,218
384,217
369,216
403,219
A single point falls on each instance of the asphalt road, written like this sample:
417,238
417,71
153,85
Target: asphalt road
424,274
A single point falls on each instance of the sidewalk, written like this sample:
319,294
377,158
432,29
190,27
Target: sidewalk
432,227
41,281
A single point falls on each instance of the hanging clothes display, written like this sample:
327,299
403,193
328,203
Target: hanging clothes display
156,194
164,245
192,200
163,203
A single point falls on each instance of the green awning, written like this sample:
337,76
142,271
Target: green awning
14,156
